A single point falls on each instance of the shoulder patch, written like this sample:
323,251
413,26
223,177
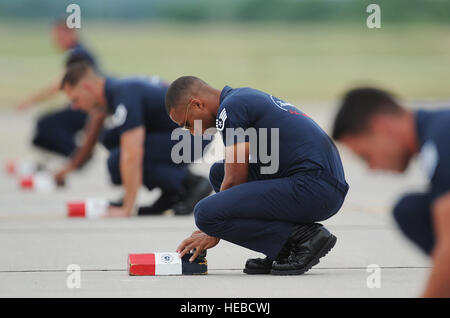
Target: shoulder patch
120,115
220,122
280,103
429,158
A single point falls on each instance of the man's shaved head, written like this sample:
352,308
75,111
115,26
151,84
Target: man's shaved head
182,89
189,99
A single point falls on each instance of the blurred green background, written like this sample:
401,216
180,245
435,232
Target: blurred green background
299,50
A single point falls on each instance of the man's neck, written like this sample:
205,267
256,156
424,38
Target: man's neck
410,132
72,44
101,92
215,94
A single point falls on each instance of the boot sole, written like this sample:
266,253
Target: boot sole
256,271
323,251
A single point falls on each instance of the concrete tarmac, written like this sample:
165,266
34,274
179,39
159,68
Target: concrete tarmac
38,243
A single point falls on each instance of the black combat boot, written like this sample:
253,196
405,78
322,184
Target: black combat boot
308,243
255,266
164,202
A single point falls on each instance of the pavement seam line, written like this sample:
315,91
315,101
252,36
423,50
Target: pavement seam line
211,269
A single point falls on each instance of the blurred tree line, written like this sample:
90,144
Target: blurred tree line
346,11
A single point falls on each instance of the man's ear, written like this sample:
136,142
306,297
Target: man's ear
196,102
88,85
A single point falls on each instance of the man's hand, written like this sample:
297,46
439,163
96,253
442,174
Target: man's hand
198,240
60,177
117,212
23,105
44,94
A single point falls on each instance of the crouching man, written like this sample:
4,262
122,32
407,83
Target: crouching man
386,135
266,207
139,141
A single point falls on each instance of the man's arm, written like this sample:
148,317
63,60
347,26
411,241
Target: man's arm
439,282
131,159
236,172
197,242
236,165
44,94
92,131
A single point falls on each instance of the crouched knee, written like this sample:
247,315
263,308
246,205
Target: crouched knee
203,215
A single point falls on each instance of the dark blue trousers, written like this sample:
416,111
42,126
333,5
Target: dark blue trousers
260,214
56,131
159,171
413,215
